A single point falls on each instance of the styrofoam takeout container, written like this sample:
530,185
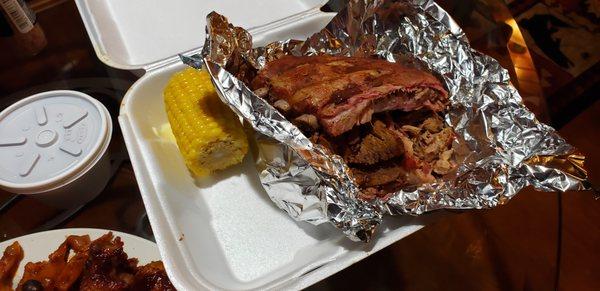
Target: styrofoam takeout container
53,144
222,232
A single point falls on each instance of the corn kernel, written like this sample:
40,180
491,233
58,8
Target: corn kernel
209,135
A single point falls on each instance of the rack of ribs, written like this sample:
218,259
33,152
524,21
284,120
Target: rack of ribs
383,118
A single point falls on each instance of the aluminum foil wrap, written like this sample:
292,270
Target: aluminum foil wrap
500,146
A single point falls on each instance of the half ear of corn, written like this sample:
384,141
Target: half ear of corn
209,135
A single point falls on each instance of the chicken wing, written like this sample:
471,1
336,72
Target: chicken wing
9,263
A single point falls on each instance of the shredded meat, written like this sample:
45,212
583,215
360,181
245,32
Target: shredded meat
421,153
429,139
385,156
444,164
381,144
379,176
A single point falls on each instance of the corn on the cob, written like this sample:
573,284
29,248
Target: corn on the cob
209,135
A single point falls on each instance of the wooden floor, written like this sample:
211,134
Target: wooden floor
512,247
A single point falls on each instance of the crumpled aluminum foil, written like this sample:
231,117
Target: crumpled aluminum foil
500,148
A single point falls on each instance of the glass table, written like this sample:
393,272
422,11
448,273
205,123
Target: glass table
513,247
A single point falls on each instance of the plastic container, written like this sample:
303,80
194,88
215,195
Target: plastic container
53,145
224,232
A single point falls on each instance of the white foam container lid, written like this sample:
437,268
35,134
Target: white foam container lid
224,233
50,139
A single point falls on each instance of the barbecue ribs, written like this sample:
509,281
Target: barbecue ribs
383,118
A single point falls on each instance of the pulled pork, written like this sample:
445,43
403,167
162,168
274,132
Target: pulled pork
385,157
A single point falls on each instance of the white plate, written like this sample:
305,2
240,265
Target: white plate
38,246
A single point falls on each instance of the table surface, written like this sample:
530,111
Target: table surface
516,246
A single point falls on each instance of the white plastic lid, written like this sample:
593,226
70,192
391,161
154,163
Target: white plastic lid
134,34
50,139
